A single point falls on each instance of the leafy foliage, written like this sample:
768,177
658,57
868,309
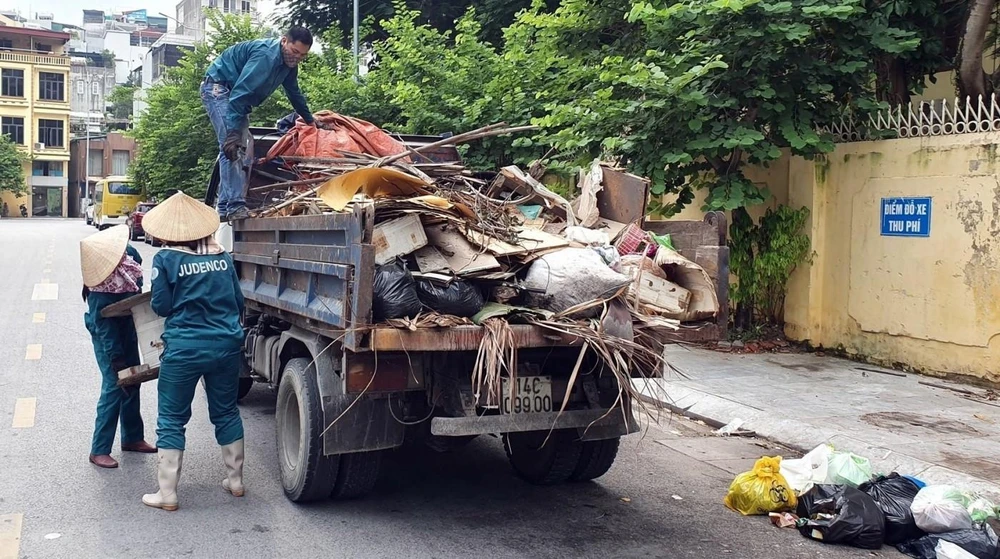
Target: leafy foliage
178,143
493,15
121,100
763,256
12,161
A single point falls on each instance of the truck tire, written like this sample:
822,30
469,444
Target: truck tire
246,383
306,474
596,458
357,474
543,465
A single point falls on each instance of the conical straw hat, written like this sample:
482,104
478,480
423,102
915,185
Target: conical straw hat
101,252
181,219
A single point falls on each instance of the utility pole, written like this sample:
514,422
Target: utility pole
357,59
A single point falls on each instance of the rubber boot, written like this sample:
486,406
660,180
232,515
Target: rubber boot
232,455
168,472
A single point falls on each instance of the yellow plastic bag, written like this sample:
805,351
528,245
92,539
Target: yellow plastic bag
762,490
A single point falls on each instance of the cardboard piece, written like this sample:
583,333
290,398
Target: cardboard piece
459,254
661,294
704,299
429,259
397,238
374,182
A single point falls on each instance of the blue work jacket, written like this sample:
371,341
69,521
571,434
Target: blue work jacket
253,70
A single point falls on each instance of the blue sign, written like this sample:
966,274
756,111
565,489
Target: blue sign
906,217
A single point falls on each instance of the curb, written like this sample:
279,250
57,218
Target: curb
688,399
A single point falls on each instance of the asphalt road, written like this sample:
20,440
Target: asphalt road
663,498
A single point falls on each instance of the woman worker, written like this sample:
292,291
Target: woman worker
194,286
112,271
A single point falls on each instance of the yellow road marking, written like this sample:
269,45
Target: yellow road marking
24,413
45,291
33,353
38,317
10,535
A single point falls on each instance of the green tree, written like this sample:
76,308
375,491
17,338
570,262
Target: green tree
121,100
12,161
493,15
178,147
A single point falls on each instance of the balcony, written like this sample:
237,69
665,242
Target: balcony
32,57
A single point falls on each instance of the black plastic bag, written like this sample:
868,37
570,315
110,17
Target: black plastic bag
841,514
894,495
458,298
981,543
394,293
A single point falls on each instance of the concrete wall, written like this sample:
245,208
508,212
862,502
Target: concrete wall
928,303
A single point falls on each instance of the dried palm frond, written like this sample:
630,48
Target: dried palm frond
497,355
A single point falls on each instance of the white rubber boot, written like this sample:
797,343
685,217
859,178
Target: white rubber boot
232,455
168,472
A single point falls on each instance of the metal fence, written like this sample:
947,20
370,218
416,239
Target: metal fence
939,117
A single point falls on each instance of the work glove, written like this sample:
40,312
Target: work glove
231,147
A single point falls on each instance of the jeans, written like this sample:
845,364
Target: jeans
180,370
232,178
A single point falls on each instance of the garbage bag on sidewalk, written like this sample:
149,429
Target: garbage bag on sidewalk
948,550
980,509
762,490
847,468
458,298
941,508
982,544
894,495
841,514
802,473
394,292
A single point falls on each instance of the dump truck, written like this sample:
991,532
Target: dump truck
349,390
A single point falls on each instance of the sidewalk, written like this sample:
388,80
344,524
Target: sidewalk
803,400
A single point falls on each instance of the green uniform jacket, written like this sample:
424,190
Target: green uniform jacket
200,297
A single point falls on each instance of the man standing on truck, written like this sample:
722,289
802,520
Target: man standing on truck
241,78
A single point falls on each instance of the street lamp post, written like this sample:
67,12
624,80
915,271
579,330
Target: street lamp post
357,59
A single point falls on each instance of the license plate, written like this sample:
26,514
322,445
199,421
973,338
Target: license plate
531,395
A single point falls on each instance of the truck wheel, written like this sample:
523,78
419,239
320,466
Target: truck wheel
357,474
306,474
133,233
246,383
596,458
543,465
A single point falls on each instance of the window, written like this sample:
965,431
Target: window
51,86
6,44
46,168
120,159
12,83
246,7
50,132
80,86
96,163
95,88
41,47
123,188
13,127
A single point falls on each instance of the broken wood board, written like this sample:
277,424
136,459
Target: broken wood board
397,238
519,181
429,259
459,254
660,293
704,298
529,241
624,197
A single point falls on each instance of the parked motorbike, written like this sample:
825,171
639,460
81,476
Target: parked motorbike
24,210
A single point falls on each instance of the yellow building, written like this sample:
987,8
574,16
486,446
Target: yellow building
34,113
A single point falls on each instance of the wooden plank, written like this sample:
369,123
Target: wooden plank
461,255
361,289
429,259
623,198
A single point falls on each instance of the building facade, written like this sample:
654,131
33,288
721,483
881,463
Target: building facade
165,53
101,156
90,88
34,113
191,20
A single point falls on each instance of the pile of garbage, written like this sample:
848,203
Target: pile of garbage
834,497
457,247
